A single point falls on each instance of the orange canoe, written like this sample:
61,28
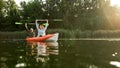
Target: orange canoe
49,37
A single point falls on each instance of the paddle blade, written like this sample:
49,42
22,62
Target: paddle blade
18,23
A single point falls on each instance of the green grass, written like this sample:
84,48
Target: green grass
66,34
13,35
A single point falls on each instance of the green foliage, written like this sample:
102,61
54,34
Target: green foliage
77,14
32,10
2,11
10,15
84,13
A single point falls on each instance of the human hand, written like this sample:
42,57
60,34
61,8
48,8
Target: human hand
25,24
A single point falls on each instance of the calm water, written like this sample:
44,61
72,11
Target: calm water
61,54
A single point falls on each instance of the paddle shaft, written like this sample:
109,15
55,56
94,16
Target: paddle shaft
20,23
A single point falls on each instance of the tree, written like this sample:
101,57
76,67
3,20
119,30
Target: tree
9,14
77,14
12,14
32,10
2,12
85,14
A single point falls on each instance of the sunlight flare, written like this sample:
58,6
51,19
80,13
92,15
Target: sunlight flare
115,3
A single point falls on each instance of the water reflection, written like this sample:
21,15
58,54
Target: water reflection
66,54
44,53
114,54
89,54
115,63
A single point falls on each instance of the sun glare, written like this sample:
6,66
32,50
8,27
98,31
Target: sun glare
115,3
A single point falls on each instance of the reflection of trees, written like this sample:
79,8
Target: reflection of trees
43,54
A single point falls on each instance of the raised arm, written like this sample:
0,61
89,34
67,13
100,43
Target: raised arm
26,27
36,25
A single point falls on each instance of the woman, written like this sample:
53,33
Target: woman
41,29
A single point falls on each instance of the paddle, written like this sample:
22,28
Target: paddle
20,23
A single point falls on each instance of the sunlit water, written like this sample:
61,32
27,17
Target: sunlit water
61,54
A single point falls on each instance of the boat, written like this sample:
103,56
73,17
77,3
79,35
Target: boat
48,37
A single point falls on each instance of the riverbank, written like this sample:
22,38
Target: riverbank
69,34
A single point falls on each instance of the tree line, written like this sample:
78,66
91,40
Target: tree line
75,14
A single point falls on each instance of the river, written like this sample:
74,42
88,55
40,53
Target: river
61,54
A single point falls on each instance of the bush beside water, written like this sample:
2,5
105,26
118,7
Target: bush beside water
70,34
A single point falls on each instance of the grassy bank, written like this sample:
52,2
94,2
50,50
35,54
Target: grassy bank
66,34
87,34
13,35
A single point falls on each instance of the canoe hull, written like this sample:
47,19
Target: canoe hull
49,37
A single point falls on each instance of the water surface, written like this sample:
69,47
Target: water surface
61,54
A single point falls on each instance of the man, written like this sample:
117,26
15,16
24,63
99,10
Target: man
31,31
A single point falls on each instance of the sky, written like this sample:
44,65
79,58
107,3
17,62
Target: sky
115,3
18,1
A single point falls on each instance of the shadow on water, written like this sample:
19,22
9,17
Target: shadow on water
65,54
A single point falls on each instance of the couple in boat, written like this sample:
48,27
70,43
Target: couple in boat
41,29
